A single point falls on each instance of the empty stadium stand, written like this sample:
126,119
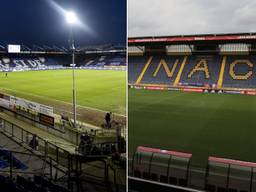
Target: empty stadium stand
6,158
240,72
200,70
22,62
22,170
45,57
103,60
136,65
162,70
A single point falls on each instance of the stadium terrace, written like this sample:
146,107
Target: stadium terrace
210,61
36,117
45,57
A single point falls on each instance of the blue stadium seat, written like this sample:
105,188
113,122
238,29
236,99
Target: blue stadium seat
5,161
197,77
152,76
241,68
201,70
135,67
28,62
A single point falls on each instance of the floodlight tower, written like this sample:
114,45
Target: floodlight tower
71,20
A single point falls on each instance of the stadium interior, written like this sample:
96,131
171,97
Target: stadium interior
41,149
222,63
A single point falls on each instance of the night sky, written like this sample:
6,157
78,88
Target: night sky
32,22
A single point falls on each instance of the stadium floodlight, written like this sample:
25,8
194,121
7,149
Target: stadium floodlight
72,19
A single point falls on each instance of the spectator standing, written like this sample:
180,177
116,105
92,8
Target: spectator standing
108,119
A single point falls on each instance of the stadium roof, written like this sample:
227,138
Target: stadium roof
36,49
216,38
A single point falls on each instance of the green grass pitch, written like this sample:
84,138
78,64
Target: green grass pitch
100,89
221,125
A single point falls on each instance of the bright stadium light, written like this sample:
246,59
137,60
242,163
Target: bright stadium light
73,21
71,17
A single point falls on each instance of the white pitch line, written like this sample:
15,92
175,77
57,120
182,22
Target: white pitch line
45,97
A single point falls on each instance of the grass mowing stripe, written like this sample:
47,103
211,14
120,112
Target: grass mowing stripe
103,90
48,98
203,124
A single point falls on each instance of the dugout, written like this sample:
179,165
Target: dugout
161,165
230,175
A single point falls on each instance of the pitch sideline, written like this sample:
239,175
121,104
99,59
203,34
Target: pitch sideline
44,97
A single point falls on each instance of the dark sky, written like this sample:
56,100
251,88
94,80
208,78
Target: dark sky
37,22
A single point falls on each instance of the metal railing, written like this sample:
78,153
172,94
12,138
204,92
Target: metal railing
59,158
16,162
46,148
